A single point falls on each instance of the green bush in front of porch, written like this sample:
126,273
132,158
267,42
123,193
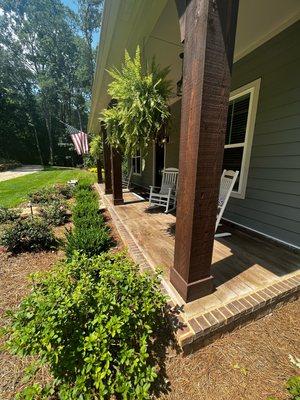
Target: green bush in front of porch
95,322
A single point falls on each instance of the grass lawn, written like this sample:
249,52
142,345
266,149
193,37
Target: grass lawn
14,191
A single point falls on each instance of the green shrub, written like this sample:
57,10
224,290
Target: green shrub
31,234
44,196
95,323
89,240
293,387
8,214
65,190
55,213
52,193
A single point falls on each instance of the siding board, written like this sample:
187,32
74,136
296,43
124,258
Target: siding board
272,202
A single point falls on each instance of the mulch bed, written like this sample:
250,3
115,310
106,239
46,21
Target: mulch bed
14,285
250,364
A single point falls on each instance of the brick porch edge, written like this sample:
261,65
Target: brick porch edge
201,330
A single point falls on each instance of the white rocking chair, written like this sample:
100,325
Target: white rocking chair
165,196
126,180
228,180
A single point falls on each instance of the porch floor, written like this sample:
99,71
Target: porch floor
242,264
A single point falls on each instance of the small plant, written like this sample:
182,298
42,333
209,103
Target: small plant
53,193
8,214
65,190
95,323
55,213
31,234
44,196
88,240
293,387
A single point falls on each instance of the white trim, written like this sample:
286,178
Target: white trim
263,234
141,166
251,88
263,39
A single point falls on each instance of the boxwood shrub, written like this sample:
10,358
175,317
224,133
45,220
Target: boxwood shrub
90,235
95,322
31,234
8,214
55,213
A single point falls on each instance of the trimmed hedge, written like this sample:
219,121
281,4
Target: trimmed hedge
90,235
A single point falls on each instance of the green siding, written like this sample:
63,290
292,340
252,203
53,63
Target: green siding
172,151
272,202
145,179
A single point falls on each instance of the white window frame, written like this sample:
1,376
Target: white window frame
252,88
141,167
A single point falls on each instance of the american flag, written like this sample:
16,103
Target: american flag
79,139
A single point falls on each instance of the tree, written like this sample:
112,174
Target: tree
42,39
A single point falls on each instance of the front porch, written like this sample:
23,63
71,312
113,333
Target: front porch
251,275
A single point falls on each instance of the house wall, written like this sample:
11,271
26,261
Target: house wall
272,202
172,150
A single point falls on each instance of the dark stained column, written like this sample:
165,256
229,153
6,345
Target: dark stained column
107,163
99,171
116,162
210,27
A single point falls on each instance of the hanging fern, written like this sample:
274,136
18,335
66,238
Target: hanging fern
141,109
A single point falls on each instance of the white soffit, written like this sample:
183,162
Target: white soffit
260,20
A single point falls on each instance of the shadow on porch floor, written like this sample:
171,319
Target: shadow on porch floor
242,264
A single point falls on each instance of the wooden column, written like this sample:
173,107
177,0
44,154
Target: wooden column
99,171
107,163
116,162
208,52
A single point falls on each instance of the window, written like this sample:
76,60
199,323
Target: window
137,163
239,133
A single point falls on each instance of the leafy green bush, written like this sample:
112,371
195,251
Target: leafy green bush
65,190
90,235
293,387
8,214
44,195
31,234
55,213
89,240
95,323
52,193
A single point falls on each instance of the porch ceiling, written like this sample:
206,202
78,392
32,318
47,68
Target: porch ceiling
154,25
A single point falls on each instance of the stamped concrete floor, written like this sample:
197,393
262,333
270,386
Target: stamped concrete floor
242,264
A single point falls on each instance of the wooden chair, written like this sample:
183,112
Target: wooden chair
227,183
165,196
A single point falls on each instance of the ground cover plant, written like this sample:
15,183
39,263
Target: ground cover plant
55,213
95,323
90,234
50,194
8,214
31,234
15,191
